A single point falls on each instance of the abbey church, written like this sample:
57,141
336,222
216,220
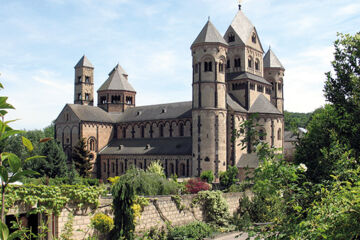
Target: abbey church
232,79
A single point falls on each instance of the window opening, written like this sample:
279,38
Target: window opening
252,86
181,130
237,62
208,67
161,130
87,79
257,64
260,88
103,99
228,64
249,63
87,96
279,134
129,100
231,37
253,38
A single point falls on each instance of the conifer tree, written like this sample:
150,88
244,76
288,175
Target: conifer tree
55,159
80,157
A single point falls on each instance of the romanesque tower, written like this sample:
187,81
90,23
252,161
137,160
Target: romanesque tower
274,73
84,82
116,94
209,101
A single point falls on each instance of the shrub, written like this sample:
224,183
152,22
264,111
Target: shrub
196,185
102,223
214,206
195,230
228,178
156,168
207,176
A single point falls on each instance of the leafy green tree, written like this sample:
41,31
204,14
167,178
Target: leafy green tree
294,120
80,157
229,177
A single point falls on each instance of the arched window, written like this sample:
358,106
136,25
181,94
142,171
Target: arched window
142,131
87,79
221,67
279,134
253,38
104,166
237,62
257,64
92,145
161,130
121,167
208,66
124,132
262,135
228,64
182,170
113,167
181,130
250,62
140,165
172,169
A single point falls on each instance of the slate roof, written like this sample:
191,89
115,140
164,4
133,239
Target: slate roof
209,34
248,161
157,112
117,81
245,75
156,146
242,26
84,62
271,61
263,105
289,136
91,113
232,104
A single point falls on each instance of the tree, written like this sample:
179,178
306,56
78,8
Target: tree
55,159
343,89
80,157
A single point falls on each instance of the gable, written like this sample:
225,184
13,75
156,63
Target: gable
67,115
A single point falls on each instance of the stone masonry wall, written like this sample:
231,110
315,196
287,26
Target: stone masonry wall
161,209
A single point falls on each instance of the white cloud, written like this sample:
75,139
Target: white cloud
348,10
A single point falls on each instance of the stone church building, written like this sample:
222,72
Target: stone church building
232,79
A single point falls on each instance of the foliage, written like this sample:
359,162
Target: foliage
102,223
177,200
123,198
49,199
156,168
214,206
138,206
207,176
149,184
68,228
196,185
155,233
80,157
228,177
5,234
294,120
113,180
195,231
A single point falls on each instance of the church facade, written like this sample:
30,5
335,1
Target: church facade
232,80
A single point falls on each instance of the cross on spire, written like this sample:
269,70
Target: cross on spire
239,1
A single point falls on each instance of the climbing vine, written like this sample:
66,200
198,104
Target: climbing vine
138,206
177,200
47,199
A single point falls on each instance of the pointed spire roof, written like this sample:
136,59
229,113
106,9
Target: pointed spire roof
242,26
209,34
117,81
84,62
271,61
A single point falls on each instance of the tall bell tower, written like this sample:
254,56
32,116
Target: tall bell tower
84,82
209,52
274,73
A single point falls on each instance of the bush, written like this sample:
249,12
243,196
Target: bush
196,185
195,231
228,178
207,176
102,223
155,167
214,206
149,184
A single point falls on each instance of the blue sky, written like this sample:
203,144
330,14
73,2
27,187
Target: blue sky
42,40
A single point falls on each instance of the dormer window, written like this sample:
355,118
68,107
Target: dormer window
237,62
253,38
208,67
231,37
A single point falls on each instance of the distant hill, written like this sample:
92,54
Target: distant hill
296,120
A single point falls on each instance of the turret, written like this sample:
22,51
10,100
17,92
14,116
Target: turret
84,82
209,101
116,94
274,73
